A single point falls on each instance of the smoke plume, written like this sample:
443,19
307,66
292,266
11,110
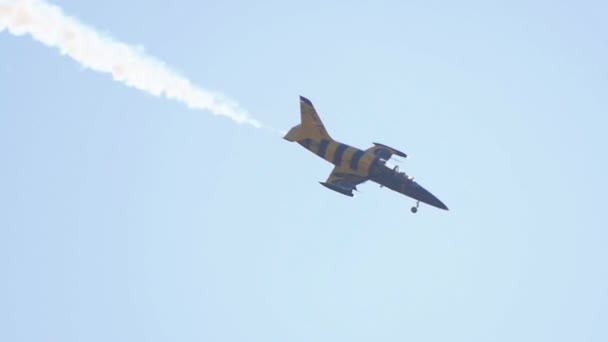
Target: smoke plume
47,24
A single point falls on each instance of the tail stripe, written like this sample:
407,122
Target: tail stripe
354,162
339,153
323,147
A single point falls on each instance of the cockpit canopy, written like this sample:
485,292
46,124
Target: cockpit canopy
401,173
396,169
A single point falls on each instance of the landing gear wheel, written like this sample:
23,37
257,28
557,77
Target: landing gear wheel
415,209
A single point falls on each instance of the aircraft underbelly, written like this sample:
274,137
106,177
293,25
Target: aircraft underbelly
417,192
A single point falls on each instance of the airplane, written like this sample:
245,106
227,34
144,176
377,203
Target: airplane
353,166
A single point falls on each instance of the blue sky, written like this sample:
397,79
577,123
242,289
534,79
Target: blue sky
128,217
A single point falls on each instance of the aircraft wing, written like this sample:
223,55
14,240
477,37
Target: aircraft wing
385,152
343,181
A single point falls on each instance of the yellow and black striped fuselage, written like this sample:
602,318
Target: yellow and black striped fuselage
341,155
352,165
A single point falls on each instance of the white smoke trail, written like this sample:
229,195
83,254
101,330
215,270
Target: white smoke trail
47,24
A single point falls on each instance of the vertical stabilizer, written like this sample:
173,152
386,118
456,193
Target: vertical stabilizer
311,123
311,127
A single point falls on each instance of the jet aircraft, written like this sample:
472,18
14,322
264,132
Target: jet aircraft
352,165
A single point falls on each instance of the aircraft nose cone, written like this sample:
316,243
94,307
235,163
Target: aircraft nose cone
423,195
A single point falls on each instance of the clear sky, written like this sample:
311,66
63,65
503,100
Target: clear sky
128,217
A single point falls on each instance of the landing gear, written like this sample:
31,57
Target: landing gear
415,209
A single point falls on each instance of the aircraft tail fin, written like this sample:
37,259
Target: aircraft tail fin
310,121
310,125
